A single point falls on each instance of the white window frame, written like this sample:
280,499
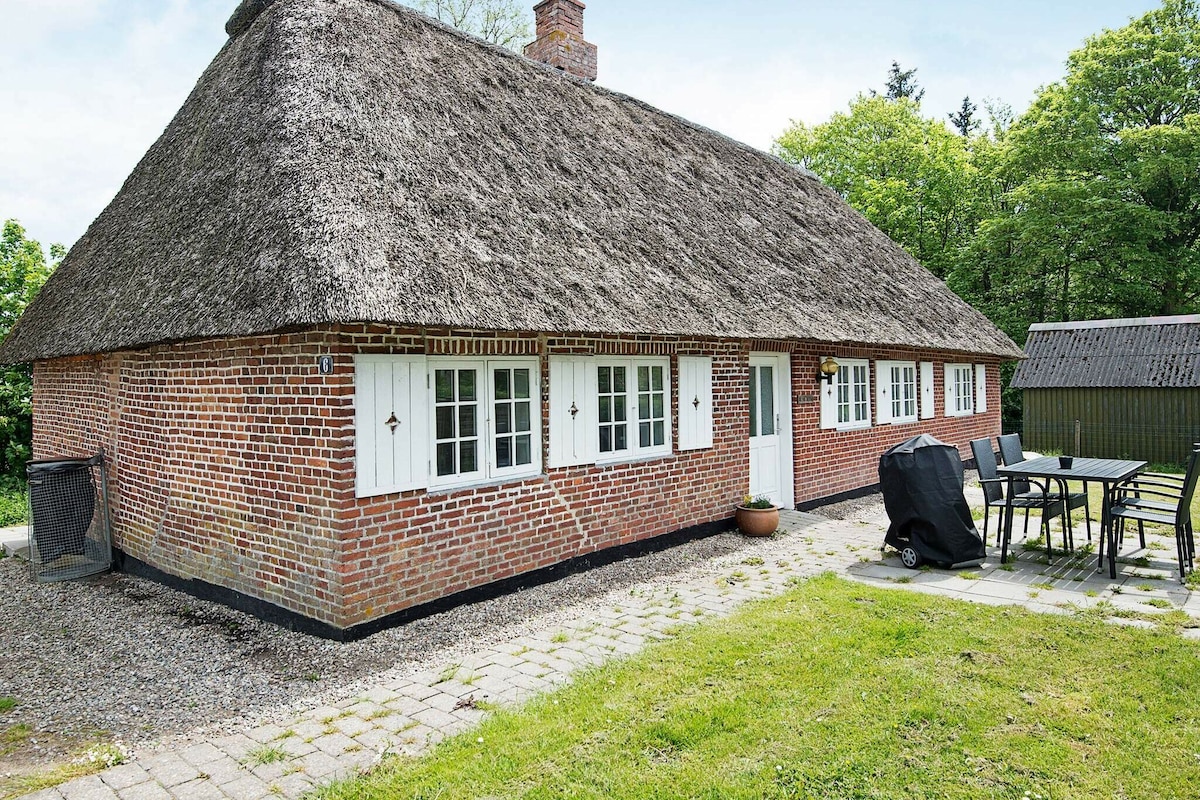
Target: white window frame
632,421
831,398
486,421
887,372
960,377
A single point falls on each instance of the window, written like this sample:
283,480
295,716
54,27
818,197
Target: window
960,396
896,391
846,402
456,421
632,413
486,421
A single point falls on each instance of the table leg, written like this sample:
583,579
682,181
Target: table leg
1006,522
1107,534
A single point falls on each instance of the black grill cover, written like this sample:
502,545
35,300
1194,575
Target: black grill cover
922,482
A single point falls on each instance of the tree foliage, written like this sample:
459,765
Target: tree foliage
23,270
1103,214
1085,207
964,120
908,175
502,22
902,84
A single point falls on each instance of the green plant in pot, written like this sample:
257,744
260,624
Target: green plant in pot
757,516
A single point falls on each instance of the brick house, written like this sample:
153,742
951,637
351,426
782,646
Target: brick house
389,314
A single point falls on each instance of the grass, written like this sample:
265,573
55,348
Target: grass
7,704
265,754
838,690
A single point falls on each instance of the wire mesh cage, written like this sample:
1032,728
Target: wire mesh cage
68,518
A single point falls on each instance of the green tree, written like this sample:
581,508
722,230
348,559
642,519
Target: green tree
908,175
1103,216
964,120
502,22
902,83
23,270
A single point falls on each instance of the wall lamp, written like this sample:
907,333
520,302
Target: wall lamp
828,369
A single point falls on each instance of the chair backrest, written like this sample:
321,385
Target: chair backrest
1012,453
985,463
1183,514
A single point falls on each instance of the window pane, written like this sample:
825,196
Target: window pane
604,380
754,401
644,434
466,420
504,452
660,433
445,422
767,402
619,380
619,409
521,384
503,389
606,409
445,459
620,439
466,384
606,439
525,449
658,406
643,379
503,418
523,423
466,456
643,406
444,385
656,378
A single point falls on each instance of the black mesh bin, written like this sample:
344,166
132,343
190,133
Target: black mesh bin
68,518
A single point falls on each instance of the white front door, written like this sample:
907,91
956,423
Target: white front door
770,426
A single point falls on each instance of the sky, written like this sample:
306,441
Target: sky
86,86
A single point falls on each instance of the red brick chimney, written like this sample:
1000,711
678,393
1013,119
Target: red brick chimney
560,38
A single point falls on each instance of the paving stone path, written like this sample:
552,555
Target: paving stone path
407,713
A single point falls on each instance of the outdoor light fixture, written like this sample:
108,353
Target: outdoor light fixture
829,368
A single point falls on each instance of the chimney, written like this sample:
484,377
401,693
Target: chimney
560,38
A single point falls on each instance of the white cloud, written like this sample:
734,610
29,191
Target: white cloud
92,85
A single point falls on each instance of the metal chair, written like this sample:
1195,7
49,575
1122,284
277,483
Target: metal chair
1166,500
993,491
1012,452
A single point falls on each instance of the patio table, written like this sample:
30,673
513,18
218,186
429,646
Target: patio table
1106,471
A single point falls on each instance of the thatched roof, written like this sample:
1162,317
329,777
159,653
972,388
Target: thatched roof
353,160
1148,352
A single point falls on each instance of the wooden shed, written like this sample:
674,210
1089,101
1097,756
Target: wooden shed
1113,388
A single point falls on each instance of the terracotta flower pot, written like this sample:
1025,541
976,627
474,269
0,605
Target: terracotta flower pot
757,521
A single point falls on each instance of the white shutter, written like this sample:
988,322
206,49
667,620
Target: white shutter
695,402
883,392
828,391
980,388
951,391
571,434
390,425
927,411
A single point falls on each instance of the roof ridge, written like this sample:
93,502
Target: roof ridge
1128,322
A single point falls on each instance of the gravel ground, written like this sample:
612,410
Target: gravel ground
121,657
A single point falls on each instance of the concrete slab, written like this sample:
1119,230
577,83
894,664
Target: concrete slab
14,541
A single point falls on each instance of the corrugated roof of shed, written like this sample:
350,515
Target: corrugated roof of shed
1147,352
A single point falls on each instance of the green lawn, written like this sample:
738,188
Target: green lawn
838,690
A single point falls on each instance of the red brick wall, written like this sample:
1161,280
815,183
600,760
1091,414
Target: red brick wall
220,459
233,462
829,462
